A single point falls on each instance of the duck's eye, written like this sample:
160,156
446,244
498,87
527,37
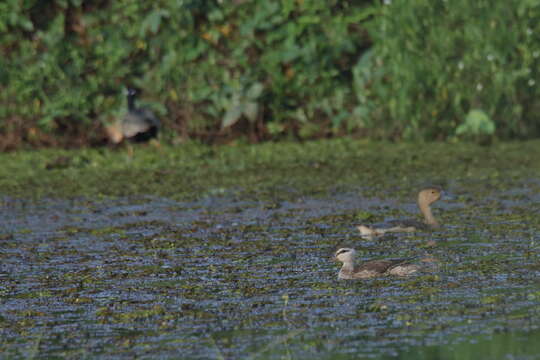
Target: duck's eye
343,251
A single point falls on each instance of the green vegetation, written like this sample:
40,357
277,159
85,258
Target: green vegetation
268,69
438,60
269,171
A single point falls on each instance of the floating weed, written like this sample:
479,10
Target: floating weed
247,263
377,307
80,300
139,315
493,299
35,294
71,230
364,216
8,236
107,231
32,313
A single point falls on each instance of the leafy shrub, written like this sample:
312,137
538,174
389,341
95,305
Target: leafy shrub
476,123
267,69
65,64
434,61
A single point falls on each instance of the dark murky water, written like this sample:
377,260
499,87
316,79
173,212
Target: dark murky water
230,278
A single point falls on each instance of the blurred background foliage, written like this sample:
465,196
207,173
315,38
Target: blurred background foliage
218,70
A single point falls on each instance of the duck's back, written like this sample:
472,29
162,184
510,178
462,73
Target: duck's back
376,268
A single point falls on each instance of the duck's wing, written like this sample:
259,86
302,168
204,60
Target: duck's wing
406,225
134,123
140,121
150,117
403,267
380,266
402,262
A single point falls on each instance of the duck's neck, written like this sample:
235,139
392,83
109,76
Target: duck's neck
428,215
348,266
131,102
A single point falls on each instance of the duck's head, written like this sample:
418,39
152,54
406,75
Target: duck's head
345,255
429,195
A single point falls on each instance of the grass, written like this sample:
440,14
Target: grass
272,170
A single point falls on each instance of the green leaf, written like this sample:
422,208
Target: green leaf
477,122
255,91
152,22
232,115
251,110
275,128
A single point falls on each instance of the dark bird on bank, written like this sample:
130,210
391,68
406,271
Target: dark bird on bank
139,124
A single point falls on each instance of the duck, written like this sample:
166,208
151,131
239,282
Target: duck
138,125
426,197
371,269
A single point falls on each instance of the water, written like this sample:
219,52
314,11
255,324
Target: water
225,277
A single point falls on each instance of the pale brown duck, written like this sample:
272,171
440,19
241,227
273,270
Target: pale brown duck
374,268
426,197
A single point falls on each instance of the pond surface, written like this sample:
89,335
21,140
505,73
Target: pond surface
229,276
